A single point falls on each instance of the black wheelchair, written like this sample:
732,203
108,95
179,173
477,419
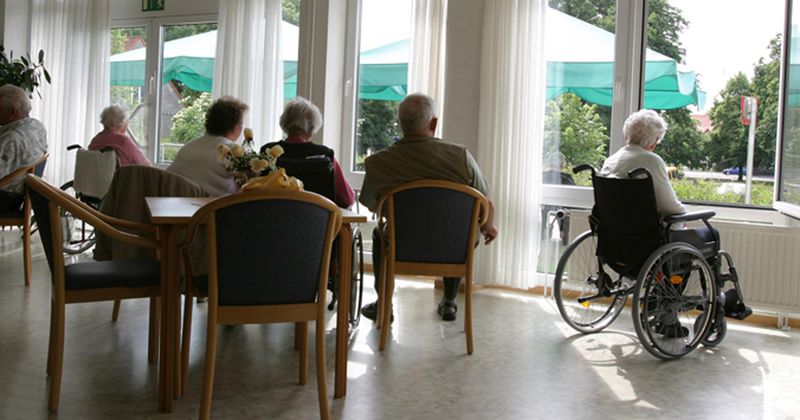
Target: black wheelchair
316,172
683,284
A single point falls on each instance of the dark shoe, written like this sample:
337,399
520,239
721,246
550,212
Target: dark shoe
447,310
675,330
370,311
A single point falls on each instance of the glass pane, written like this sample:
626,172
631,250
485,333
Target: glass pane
382,74
290,34
128,71
187,70
579,48
696,79
790,153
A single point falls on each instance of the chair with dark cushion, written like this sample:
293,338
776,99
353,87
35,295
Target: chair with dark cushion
269,253
22,217
428,227
90,281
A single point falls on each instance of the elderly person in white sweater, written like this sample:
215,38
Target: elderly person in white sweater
197,160
643,130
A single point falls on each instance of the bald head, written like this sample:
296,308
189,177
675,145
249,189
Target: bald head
14,104
417,115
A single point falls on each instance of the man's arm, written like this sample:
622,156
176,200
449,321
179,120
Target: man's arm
488,229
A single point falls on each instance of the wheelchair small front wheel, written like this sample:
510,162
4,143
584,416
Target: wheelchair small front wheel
78,235
585,304
716,332
674,293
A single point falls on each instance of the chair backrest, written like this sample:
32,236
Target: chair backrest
94,170
626,220
47,202
316,172
125,200
268,247
433,221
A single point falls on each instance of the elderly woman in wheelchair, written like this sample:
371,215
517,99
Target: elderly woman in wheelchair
639,244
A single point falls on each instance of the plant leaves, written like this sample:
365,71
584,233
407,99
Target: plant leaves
47,76
41,56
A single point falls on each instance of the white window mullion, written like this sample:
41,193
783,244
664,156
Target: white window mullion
631,41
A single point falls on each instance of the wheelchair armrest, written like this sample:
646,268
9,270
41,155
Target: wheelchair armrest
685,217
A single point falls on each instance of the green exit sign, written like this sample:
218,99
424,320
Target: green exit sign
150,5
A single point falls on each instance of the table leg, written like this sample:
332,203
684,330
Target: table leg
166,374
343,306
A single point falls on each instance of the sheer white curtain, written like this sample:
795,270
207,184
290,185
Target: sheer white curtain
248,62
75,36
427,57
511,126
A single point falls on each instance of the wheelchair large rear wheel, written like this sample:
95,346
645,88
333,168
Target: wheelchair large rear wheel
357,281
588,300
674,295
78,236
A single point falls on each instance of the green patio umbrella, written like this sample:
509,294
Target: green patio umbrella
580,60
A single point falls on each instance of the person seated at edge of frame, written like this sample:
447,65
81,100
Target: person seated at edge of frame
115,136
23,140
301,119
419,155
197,159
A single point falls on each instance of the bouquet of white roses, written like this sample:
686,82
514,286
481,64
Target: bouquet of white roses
244,162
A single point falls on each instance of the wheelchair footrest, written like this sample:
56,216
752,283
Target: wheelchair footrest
740,312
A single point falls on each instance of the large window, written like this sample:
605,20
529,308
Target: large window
579,48
696,73
788,191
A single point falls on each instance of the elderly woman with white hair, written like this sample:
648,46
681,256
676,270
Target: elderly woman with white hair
301,119
115,136
643,130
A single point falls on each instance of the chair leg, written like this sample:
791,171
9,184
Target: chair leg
297,333
208,374
115,311
468,312
322,380
301,336
186,339
51,351
152,339
26,249
58,356
388,292
382,294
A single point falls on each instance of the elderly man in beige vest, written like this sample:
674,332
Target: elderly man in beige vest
419,155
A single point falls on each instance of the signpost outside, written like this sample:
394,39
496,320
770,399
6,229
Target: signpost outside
749,112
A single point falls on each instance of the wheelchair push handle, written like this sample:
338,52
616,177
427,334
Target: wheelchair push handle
584,167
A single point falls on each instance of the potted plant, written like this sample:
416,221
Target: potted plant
23,71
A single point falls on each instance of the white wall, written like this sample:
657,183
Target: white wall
132,9
15,26
462,73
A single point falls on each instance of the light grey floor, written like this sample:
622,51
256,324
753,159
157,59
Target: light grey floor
527,364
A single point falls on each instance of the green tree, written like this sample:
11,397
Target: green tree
728,139
291,12
376,126
683,144
575,129
766,88
189,122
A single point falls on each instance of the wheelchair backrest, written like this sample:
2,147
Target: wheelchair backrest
316,172
626,220
94,170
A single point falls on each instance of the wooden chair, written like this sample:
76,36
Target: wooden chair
22,217
91,281
428,227
269,253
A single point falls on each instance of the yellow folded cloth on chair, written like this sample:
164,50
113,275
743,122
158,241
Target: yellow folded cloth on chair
277,179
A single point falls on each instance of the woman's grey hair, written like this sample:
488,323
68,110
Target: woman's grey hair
301,114
644,128
415,113
15,98
114,116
